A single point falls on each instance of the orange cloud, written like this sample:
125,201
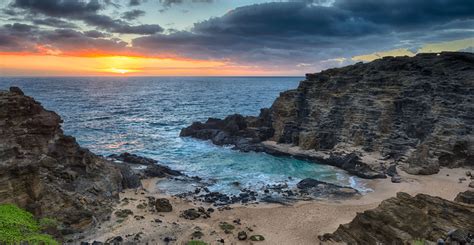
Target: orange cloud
54,65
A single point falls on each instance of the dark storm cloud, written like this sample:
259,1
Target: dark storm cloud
86,11
133,14
408,14
25,38
18,27
290,33
120,26
96,34
59,8
305,31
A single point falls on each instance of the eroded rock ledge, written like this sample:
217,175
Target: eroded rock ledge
405,218
416,112
47,172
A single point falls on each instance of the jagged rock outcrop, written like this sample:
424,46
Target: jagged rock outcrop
47,172
143,167
404,219
417,112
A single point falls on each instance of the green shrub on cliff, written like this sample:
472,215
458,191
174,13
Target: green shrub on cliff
18,225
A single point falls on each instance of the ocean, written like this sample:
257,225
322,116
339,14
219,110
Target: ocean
144,115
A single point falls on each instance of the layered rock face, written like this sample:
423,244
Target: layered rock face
416,111
47,172
405,218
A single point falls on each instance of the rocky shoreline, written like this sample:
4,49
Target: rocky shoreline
412,112
422,123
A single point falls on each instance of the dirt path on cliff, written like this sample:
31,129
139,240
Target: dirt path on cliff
300,223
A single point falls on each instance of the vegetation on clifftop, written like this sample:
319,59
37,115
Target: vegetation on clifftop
18,225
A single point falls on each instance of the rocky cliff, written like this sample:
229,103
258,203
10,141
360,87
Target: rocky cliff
404,218
414,111
47,172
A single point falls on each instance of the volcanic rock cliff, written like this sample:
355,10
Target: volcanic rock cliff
406,218
414,111
47,172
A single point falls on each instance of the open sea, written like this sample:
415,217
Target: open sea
144,115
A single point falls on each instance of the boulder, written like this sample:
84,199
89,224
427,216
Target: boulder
396,179
190,214
465,197
392,170
322,189
163,205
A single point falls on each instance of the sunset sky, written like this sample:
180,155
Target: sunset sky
221,37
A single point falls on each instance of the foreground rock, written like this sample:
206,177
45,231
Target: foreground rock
47,172
412,111
405,218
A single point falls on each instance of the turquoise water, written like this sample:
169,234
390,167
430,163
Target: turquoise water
145,115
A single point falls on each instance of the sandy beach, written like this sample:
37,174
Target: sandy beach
300,223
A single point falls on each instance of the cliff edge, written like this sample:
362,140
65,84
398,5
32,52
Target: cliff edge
416,112
47,172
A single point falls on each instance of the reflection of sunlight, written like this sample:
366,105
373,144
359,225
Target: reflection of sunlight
118,70
115,145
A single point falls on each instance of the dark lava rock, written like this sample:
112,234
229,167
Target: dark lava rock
48,173
465,197
153,169
16,90
396,179
133,159
163,205
129,178
460,236
322,189
115,240
422,119
403,219
160,171
190,214
392,170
